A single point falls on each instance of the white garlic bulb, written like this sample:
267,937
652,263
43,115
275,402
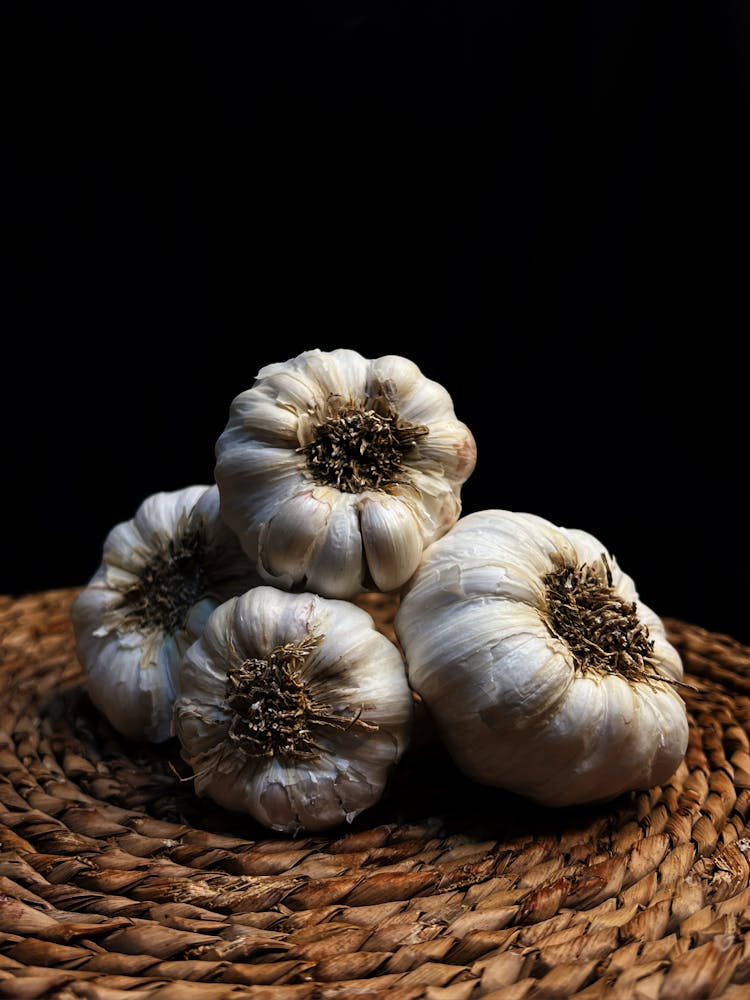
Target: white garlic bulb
292,708
543,671
161,574
336,471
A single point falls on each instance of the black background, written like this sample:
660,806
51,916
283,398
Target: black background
543,205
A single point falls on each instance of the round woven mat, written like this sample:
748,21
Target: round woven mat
117,882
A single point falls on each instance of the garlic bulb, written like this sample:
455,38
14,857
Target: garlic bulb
543,671
292,708
161,575
336,471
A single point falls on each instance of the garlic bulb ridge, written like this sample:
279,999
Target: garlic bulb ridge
336,471
544,672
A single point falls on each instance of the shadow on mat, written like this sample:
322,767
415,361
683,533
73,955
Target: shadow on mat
425,789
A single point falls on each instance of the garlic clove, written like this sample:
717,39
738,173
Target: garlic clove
252,626
487,560
392,541
434,504
448,452
159,516
131,689
308,380
621,718
341,372
335,568
285,543
313,542
665,654
265,477
316,799
419,399
125,551
535,672
271,423
96,602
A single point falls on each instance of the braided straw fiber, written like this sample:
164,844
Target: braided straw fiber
117,883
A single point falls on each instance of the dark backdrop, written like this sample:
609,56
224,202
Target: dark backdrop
544,205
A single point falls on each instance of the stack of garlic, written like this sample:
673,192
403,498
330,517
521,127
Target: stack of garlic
224,616
334,473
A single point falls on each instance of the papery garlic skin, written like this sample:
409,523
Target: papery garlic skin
509,698
161,575
351,672
336,471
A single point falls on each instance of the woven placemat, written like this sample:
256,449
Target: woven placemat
117,882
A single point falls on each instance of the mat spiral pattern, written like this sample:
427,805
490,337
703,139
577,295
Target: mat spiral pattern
117,883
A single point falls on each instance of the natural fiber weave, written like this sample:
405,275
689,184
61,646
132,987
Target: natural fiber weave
117,882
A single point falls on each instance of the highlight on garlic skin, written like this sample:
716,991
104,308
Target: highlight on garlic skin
543,671
292,708
336,471
161,574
